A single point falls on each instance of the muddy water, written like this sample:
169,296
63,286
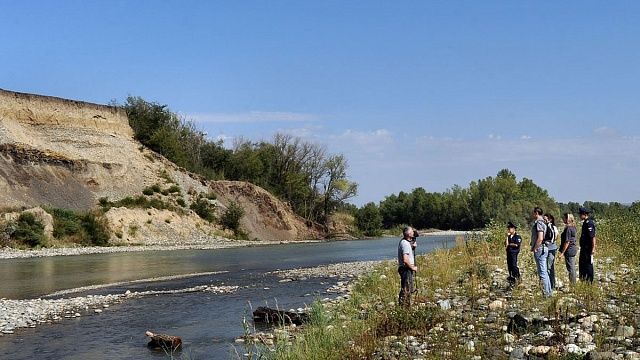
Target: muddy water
208,323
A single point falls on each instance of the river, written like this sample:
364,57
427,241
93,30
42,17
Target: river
208,323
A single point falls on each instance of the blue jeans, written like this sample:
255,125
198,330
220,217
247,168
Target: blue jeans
540,257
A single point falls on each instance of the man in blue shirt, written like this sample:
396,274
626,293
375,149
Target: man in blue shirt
539,250
406,267
587,246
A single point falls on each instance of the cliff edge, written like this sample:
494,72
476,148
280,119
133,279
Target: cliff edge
68,154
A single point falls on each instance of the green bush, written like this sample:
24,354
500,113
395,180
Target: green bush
141,202
147,191
204,209
82,228
173,189
181,202
231,217
29,231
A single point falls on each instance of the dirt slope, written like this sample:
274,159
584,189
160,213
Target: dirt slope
68,154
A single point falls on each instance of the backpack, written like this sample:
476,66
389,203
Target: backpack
549,234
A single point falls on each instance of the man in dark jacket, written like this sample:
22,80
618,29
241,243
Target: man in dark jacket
587,246
513,249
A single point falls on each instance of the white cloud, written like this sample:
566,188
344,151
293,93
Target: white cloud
251,117
605,131
525,137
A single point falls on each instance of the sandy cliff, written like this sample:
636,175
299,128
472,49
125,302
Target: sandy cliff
68,154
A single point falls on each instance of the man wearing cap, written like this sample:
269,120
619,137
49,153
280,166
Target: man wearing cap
540,251
587,246
406,267
513,248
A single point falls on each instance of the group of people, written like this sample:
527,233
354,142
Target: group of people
544,234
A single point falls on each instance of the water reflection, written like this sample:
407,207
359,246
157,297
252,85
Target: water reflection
30,278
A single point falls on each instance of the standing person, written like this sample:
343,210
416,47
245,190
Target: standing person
406,267
587,246
550,236
513,249
539,250
568,247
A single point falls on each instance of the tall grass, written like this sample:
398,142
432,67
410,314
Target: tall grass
357,327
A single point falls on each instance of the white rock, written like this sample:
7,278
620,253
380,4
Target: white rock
540,350
97,311
573,349
470,345
584,338
509,339
496,305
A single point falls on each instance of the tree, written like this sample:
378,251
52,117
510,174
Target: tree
369,220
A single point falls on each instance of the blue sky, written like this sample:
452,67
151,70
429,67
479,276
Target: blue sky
414,93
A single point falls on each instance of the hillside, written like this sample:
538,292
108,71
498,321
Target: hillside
68,154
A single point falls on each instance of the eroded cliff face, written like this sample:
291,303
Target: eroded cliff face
68,154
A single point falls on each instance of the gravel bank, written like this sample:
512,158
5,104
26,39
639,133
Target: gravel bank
15,314
11,253
341,270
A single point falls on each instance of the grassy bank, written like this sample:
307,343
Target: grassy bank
464,306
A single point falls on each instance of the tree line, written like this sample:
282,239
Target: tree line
499,199
303,174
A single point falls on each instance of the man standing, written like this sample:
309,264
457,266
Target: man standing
540,251
587,246
406,267
513,248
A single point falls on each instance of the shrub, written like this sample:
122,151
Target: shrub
173,189
231,217
84,228
181,202
148,191
204,209
29,231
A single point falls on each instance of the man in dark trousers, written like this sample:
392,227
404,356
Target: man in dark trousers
513,249
587,246
406,267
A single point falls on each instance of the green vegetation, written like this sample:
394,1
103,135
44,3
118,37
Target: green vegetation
140,201
29,231
303,174
499,198
230,219
362,325
204,209
81,228
150,190
369,220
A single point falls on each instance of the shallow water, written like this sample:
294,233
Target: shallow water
208,323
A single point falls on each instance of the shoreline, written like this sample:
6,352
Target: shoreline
11,253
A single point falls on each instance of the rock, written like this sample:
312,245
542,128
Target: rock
444,304
509,339
573,349
97,311
163,341
470,346
496,305
625,331
540,350
595,355
517,354
272,316
584,338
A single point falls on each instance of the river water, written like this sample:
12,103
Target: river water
208,323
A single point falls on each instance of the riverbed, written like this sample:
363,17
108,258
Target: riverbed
208,322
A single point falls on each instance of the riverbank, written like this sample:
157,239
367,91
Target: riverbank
222,243
465,309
